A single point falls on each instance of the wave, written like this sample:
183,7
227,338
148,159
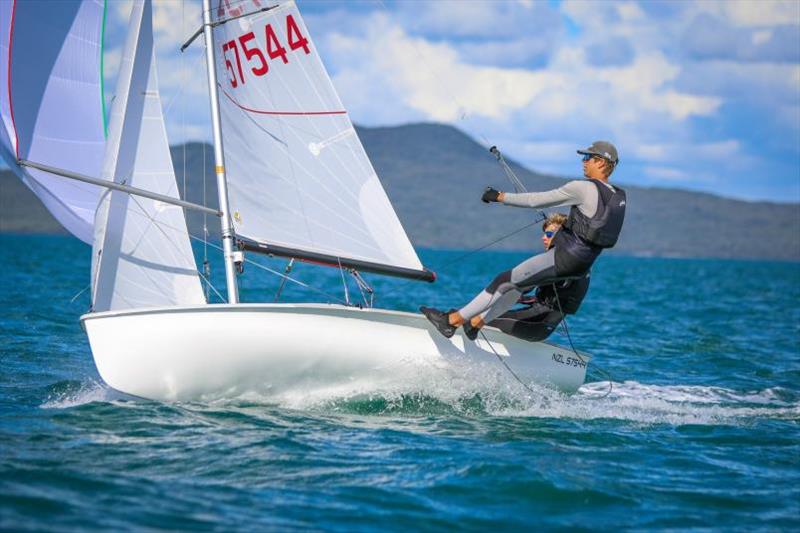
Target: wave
67,394
478,392
481,393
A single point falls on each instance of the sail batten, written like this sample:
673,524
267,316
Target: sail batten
298,176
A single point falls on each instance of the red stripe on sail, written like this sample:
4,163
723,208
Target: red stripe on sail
10,106
289,113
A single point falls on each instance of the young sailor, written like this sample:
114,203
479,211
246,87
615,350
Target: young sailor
594,223
543,311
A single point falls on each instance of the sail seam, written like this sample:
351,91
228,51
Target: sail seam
102,70
282,113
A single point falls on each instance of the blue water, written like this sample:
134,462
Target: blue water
701,428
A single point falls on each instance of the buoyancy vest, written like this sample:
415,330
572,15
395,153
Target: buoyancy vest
570,294
604,227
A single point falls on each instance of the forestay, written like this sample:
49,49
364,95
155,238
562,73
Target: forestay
299,178
142,255
52,102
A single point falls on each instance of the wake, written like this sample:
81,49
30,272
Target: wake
494,395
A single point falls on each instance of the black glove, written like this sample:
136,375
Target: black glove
490,195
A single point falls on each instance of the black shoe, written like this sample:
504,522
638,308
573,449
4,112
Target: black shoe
440,320
470,331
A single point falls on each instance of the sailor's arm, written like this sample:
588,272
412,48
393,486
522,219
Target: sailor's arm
571,193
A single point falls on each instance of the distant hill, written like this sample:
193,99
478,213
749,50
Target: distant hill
434,175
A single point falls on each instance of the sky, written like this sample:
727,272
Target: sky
696,95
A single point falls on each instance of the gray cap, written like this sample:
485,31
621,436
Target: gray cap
604,149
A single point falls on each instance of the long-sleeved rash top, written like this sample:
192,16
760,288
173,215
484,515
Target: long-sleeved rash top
580,193
573,255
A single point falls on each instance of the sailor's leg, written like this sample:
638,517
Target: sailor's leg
484,298
534,271
501,305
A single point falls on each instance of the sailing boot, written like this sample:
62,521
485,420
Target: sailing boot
440,320
471,331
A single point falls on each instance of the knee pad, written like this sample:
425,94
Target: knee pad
501,279
507,287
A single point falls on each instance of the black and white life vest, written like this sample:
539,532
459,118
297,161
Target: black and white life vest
604,227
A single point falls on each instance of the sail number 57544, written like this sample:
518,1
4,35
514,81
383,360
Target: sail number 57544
256,61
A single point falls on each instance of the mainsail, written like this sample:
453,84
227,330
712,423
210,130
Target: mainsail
52,101
142,256
300,183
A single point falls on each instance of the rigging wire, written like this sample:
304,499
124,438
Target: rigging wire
514,374
344,282
183,104
286,271
569,338
287,278
487,245
86,288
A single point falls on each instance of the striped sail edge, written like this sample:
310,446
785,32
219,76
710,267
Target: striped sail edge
141,256
51,109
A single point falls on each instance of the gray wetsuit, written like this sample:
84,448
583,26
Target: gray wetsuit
569,255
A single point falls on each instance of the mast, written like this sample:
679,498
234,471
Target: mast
219,160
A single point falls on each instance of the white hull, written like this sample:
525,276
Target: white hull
183,353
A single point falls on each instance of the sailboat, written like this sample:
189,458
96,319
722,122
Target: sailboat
293,181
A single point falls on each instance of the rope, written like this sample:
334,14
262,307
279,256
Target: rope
510,371
569,338
476,250
287,278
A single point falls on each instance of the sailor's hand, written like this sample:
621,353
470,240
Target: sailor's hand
491,195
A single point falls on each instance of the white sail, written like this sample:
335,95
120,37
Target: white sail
142,255
52,101
298,175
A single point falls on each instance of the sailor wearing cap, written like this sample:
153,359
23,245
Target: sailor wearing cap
595,220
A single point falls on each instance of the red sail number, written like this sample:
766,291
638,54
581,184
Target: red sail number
250,53
229,66
258,63
296,39
274,48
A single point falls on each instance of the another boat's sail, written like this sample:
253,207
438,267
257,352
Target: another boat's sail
52,101
300,182
142,255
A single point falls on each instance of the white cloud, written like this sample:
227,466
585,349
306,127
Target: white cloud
747,13
434,80
521,74
666,173
761,37
430,77
664,152
174,20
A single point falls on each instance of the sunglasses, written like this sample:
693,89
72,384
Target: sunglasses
549,234
587,157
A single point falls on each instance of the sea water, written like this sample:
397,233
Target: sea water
690,417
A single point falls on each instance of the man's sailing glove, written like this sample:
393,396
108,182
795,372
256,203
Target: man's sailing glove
490,195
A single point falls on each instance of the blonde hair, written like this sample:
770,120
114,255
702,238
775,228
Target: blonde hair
554,219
